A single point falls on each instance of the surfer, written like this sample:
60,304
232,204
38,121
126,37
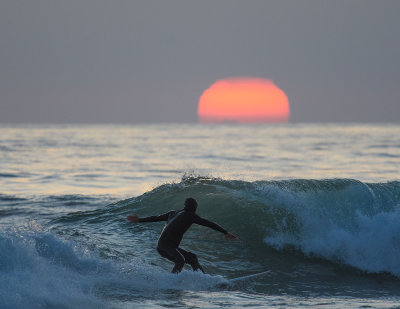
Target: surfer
178,222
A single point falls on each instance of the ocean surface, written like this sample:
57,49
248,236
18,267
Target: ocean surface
316,208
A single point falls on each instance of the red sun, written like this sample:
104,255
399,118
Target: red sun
243,99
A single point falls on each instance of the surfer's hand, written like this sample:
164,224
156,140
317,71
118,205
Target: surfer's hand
230,236
134,218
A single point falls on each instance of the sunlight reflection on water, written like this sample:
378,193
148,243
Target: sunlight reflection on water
122,160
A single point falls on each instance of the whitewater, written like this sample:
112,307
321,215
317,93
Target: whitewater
316,208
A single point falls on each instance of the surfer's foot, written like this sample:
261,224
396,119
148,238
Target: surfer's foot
197,266
178,268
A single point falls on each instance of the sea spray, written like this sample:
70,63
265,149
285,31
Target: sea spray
39,269
30,280
346,221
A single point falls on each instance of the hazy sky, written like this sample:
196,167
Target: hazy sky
149,61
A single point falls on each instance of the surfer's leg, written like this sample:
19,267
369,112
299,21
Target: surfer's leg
191,259
173,255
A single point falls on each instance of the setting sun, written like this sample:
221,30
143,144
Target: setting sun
243,99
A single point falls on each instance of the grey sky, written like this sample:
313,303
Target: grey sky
149,61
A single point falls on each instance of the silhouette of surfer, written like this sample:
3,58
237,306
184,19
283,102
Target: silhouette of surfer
178,222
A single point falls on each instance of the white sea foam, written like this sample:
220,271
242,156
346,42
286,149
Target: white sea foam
365,240
38,269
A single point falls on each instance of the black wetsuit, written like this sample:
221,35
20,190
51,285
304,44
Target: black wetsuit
178,222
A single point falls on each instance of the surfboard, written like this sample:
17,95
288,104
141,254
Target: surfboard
249,276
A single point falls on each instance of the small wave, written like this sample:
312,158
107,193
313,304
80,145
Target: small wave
9,175
11,198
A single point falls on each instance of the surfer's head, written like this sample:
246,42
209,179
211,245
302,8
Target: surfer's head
190,204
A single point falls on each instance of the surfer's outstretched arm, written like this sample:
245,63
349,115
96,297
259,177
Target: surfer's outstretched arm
214,226
135,218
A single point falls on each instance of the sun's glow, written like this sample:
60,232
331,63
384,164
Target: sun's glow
243,99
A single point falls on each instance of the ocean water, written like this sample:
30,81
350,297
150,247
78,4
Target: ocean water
316,208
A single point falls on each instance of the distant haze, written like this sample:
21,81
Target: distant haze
101,61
